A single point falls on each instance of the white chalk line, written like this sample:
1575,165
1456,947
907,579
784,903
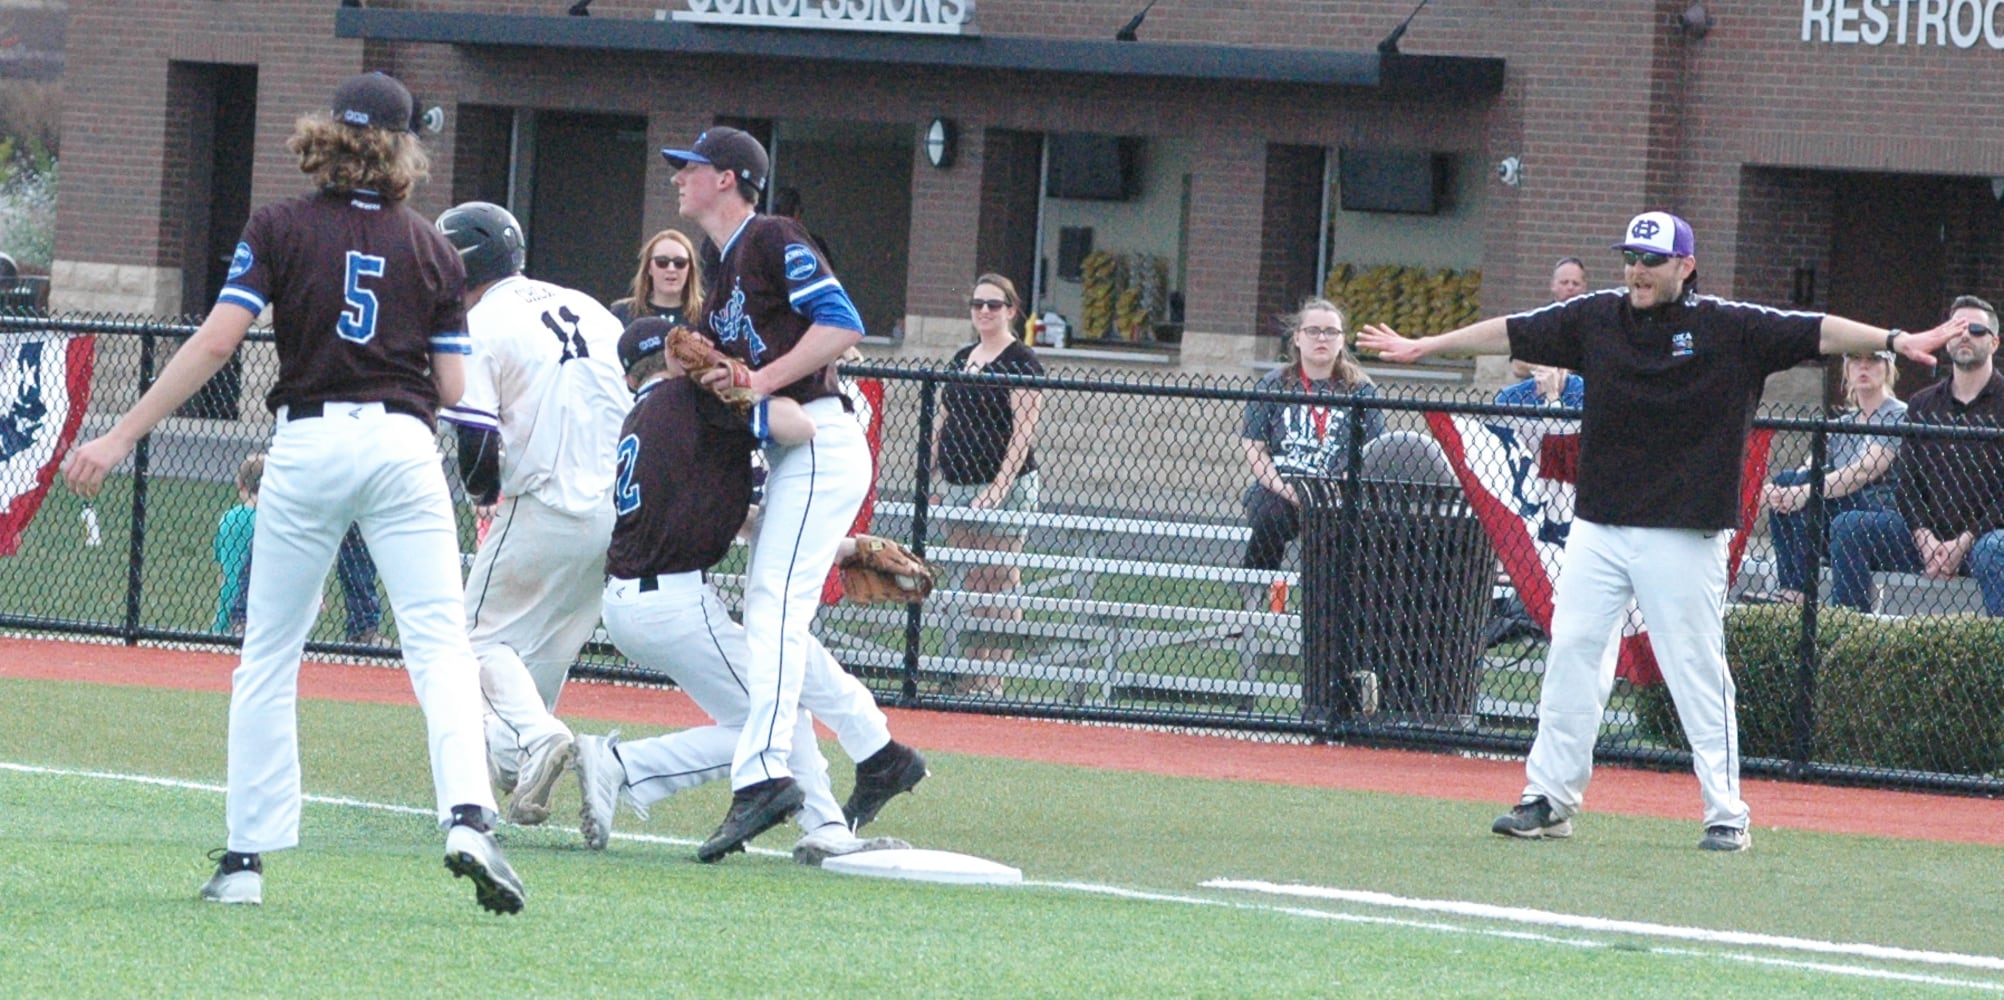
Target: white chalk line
1356,897
1606,925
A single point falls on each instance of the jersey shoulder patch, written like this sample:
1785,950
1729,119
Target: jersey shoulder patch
241,261
801,264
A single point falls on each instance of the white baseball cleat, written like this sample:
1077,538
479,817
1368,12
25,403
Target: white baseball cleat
601,776
239,880
834,840
541,768
472,853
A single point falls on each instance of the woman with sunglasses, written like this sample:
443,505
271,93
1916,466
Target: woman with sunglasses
982,449
668,282
1301,439
1857,479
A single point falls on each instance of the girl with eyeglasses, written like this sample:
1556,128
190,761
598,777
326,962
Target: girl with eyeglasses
1301,439
982,449
668,282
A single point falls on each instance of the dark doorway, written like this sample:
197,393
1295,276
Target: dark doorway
218,105
1887,255
1011,168
1291,227
851,184
585,213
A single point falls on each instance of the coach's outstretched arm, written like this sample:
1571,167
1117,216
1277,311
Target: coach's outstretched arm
1848,336
1489,336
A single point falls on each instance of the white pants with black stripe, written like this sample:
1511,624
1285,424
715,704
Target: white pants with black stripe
681,629
1677,577
532,599
356,463
812,493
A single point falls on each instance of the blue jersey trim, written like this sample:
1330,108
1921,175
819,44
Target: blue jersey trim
238,295
826,304
451,343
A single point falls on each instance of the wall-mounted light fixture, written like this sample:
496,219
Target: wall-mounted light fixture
1696,22
941,142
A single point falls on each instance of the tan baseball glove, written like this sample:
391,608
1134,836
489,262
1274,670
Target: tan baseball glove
883,572
698,356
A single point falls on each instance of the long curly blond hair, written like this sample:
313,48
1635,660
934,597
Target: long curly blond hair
345,158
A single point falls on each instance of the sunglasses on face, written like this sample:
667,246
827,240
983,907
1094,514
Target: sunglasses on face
673,263
987,305
1979,330
1646,259
1321,332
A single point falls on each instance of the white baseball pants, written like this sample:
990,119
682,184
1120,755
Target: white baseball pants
812,493
1677,576
532,600
354,463
681,629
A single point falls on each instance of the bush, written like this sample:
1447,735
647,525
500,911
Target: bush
1924,693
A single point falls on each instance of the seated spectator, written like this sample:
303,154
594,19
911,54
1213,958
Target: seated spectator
1545,386
1303,439
233,544
1950,516
1857,479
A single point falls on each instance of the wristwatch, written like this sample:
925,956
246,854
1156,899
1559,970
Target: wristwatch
1892,335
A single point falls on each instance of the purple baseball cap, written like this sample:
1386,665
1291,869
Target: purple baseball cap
1659,232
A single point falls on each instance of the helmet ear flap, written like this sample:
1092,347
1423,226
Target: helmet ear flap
489,240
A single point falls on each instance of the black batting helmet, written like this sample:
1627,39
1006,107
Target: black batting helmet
488,238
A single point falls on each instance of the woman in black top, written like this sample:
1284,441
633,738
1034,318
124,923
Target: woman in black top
983,450
668,282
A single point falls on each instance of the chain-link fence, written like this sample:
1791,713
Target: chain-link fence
1372,566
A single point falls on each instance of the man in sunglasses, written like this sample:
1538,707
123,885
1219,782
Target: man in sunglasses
1950,517
1672,381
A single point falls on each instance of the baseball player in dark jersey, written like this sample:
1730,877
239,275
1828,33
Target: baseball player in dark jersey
1672,382
772,302
683,488
370,330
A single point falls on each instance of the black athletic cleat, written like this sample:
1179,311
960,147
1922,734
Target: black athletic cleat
1532,820
754,810
889,772
1725,838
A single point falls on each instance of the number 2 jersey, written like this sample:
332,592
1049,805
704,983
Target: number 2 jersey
545,374
363,291
684,481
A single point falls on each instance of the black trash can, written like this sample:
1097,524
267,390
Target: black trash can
1395,594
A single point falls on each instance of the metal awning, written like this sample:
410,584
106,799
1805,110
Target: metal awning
1395,74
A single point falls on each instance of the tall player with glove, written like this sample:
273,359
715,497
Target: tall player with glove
544,400
773,304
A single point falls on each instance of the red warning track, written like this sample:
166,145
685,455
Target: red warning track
1642,793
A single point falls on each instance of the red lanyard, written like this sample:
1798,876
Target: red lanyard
1320,413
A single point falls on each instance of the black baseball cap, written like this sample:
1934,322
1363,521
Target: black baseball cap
644,336
373,100
731,150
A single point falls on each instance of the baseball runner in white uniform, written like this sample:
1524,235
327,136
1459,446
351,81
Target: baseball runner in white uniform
684,484
1672,382
538,423
370,331
773,304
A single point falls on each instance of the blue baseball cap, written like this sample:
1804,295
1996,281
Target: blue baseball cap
730,150
1659,232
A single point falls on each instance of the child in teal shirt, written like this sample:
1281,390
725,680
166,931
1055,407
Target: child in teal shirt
233,546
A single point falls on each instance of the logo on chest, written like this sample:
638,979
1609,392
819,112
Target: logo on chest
731,324
1680,344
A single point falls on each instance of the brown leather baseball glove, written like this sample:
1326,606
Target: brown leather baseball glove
883,572
698,356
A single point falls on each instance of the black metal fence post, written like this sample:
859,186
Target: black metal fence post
135,574
1802,709
921,505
